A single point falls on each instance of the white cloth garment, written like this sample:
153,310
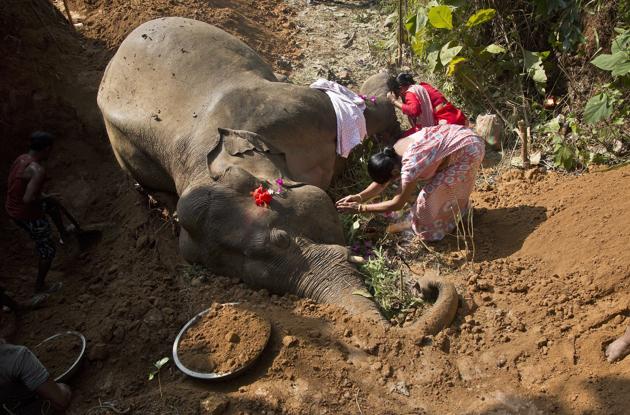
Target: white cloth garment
426,110
351,128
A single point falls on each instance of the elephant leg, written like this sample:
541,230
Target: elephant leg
140,165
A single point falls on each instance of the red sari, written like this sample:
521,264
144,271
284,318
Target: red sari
443,111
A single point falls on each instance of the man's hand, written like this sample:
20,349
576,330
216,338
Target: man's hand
392,97
58,394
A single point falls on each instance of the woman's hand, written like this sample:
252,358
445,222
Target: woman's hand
348,207
391,96
350,198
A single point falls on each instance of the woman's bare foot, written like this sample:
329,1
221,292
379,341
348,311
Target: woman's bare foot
618,349
399,227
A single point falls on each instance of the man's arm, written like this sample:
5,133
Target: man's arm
58,394
34,187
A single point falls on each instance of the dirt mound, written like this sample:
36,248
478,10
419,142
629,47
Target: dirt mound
59,354
264,25
226,338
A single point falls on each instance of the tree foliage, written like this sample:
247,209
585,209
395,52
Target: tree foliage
506,59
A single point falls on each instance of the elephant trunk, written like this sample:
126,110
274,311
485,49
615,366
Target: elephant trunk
442,312
331,278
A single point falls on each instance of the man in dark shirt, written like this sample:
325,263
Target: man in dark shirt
26,387
28,206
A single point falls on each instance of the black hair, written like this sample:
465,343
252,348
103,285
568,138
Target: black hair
381,165
405,79
41,140
393,85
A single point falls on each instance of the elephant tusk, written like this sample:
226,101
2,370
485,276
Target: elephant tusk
356,259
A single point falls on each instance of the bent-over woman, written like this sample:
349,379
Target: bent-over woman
447,156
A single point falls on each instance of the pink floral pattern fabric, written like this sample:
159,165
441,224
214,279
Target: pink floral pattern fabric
446,194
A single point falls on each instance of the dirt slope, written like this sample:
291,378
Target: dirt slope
548,290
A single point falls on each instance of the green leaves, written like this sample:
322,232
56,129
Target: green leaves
362,293
447,53
564,156
618,63
441,17
481,16
416,22
598,108
494,49
621,42
532,63
452,66
432,60
157,366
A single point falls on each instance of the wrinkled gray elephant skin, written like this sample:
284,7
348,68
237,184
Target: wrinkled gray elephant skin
190,109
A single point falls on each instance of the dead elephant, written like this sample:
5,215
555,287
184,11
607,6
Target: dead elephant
192,110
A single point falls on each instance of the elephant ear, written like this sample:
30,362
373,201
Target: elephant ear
246,150
237,142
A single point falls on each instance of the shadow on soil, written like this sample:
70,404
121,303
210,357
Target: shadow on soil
501,232
607,395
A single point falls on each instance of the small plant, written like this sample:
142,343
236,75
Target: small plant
386,285
155,371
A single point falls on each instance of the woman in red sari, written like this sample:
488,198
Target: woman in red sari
424,105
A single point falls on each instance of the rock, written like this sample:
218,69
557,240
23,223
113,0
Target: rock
376,365
119,335
98,352
401,388
289,341
284,63
387,371
501,361
344,75
232,337
142,241
542,342
112,269
153,317
213,404
347,333
490,128
196,282
390,20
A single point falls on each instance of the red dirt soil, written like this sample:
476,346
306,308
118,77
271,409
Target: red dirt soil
225,339
59,354
549,290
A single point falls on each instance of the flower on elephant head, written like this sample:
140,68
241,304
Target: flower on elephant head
365,98
280,184
261,196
